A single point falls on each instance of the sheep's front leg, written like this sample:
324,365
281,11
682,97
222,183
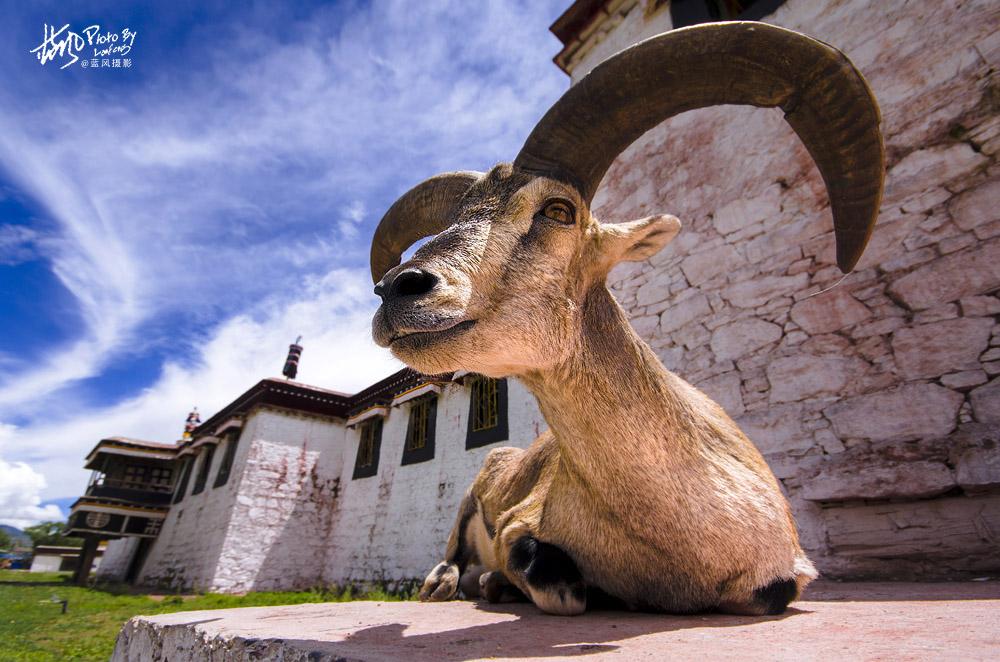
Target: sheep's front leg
443,581
544,572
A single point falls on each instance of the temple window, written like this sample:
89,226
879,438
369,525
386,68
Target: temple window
226,466
419,445
206,464
487,411
185,477
369,443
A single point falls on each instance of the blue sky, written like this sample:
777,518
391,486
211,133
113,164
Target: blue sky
167,229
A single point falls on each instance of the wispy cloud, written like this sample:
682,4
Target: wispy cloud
254,175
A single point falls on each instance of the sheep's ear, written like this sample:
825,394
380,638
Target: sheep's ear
637,240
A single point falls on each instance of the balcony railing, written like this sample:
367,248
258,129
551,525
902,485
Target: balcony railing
144,493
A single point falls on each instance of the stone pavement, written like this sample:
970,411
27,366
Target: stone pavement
850,621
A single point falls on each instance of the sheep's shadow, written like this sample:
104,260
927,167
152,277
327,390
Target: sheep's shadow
531,635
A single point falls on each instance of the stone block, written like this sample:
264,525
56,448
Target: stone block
760,290
777,429
829,311
848,481
701,267
803,376
931,350
908,412
977,206
725,390
979,468
980,306
685,311
743,337
937,164
965,379
655,289
742,213
966,273
951,528
986,402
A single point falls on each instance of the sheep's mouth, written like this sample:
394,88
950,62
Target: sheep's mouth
415,339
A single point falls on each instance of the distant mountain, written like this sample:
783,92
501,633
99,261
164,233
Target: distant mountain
19,536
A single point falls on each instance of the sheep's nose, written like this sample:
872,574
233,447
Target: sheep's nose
407,283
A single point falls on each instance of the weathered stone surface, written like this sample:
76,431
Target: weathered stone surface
753,293
908,412
965,379
742,337
725,390
979,468
805,376
986,402
966,273
829,311
931,350
978,206
879,481
706,265
940,163
777,429
980,306
952,528
878,621
741,213
655,290
683,312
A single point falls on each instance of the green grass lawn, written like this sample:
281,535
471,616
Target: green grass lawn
33,627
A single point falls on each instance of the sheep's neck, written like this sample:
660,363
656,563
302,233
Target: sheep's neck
612,406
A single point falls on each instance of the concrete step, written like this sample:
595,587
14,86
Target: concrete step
850,621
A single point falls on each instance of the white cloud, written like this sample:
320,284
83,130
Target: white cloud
332,313
20,488
207,188
241,191
16,244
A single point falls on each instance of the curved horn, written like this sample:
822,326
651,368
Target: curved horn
422,211
826,101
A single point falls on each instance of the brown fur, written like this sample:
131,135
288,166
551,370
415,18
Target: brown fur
646,483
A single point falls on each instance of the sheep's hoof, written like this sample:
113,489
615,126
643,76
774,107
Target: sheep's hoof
441,584
554,582
495,587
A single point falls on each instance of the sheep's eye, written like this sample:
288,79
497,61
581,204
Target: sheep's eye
558,211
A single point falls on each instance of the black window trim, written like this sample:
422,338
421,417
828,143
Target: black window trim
232,440
207,455
425,452
185,479
499,432
369,470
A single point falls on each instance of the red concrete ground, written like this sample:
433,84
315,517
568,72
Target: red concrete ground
856,621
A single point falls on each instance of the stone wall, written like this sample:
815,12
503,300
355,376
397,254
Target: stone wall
876,403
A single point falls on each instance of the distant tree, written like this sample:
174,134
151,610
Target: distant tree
51,533
6,542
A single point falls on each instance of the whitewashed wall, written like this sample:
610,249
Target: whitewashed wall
116,559
186,553
393,526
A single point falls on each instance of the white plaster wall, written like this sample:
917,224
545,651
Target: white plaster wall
284,506
45,563
116,559
392,527
186,552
